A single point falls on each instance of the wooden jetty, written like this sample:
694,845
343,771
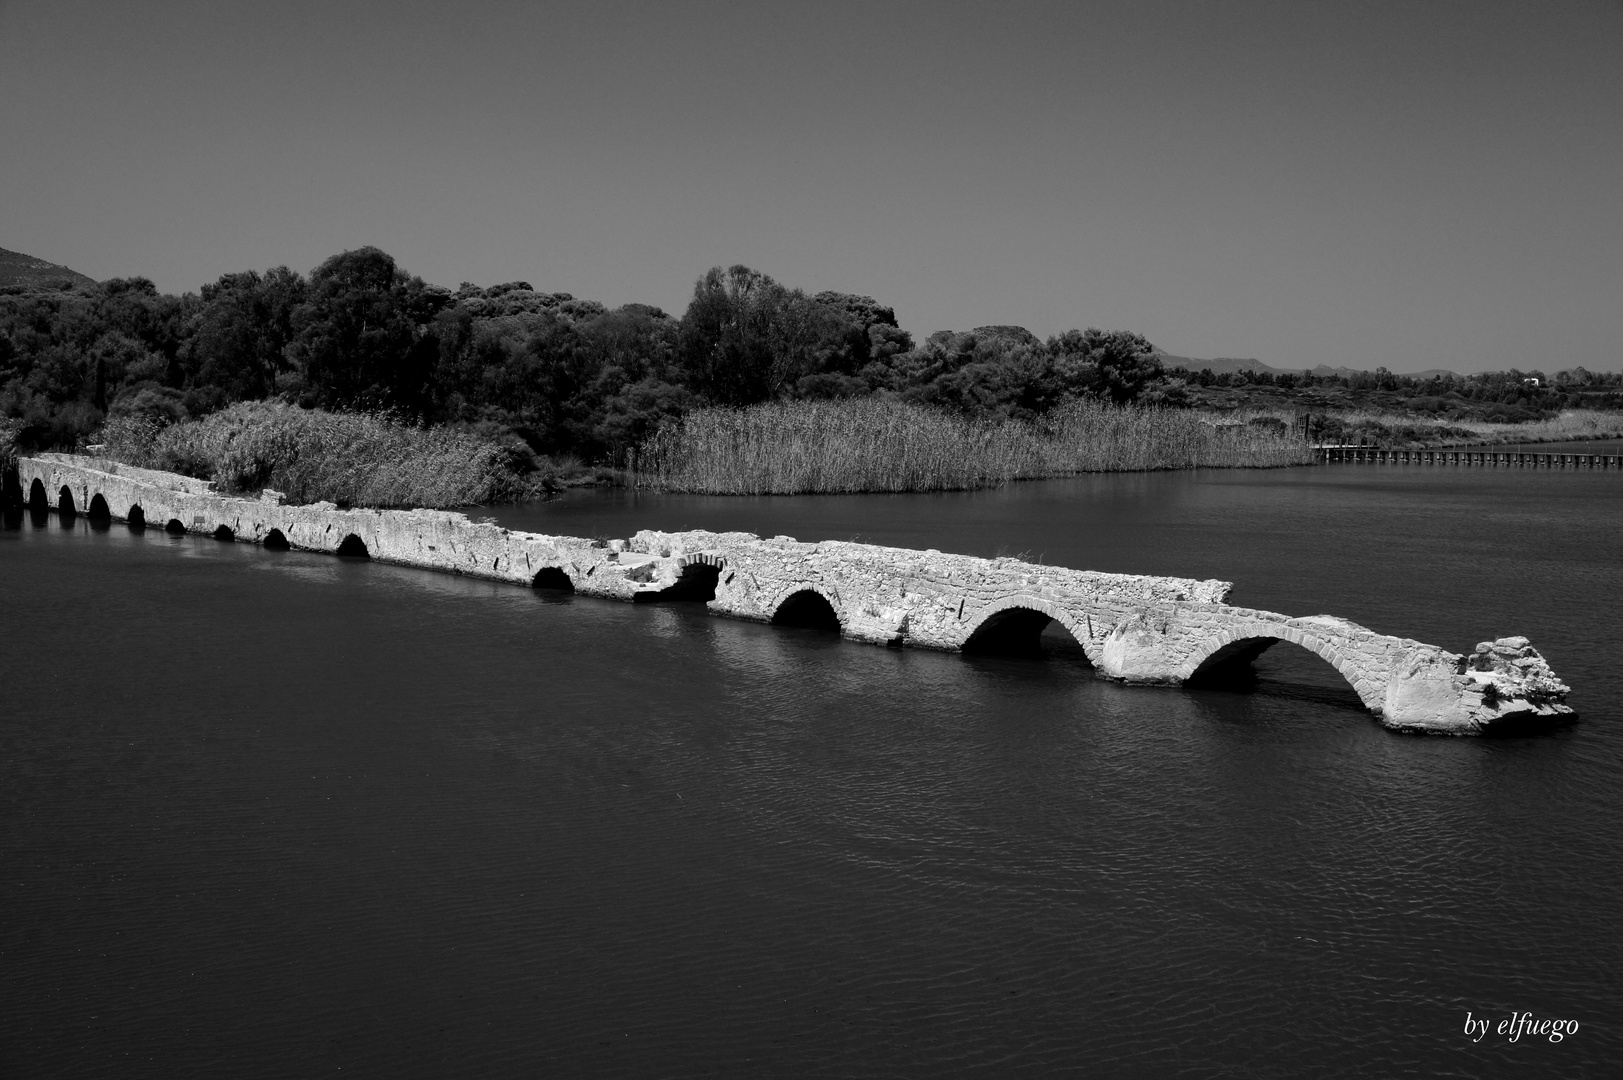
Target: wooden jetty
1482,458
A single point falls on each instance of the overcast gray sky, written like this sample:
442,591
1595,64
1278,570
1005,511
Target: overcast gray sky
1416,184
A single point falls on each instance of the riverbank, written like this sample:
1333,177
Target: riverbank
1389,431
849,445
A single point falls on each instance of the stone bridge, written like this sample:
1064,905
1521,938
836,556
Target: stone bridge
1138,629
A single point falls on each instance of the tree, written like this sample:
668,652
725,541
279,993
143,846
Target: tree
363,336
745,338
239,336
1116,364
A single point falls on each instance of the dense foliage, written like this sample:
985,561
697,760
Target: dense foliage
359,334
569,376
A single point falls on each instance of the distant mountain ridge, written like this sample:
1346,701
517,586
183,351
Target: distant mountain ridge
19,269
1224,365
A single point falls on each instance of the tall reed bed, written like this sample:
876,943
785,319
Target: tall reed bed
1091,436
855,444
311,456
872,444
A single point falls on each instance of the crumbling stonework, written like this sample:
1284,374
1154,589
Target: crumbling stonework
1133,628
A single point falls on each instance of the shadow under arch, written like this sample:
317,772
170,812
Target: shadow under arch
137,518
809,609
275,541
1024,626
552,579
1309,669
224,532
98,509
353,547
1025,632
64,504
37,499
175,527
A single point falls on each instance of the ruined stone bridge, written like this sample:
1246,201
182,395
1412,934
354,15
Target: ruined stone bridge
1133,628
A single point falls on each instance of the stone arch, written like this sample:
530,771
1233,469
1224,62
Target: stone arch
1243,644
1015,624
275,541
137,517
98,509
807,606
552,578
352,546
175,527
225,532
64,502
37,499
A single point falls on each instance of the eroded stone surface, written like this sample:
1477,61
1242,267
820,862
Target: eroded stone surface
1134,628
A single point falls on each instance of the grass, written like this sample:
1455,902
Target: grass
873,444
344,458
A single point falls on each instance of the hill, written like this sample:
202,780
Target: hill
1223,365
19,269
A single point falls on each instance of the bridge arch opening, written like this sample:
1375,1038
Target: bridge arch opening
275,541
808,609
695,582
37,499
1024,632
137,518
353,547
1295,671
175,527
64,504
552,579
224,532
98,509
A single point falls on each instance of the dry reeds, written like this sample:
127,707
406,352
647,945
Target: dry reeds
873,444
855,444
312,456
1092,436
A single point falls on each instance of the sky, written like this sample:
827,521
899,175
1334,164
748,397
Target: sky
1413,184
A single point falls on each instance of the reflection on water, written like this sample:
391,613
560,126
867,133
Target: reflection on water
271,813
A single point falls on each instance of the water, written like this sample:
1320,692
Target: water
276,814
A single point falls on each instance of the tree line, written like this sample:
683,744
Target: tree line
570,376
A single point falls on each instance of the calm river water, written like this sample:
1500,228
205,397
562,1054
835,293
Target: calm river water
277,814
